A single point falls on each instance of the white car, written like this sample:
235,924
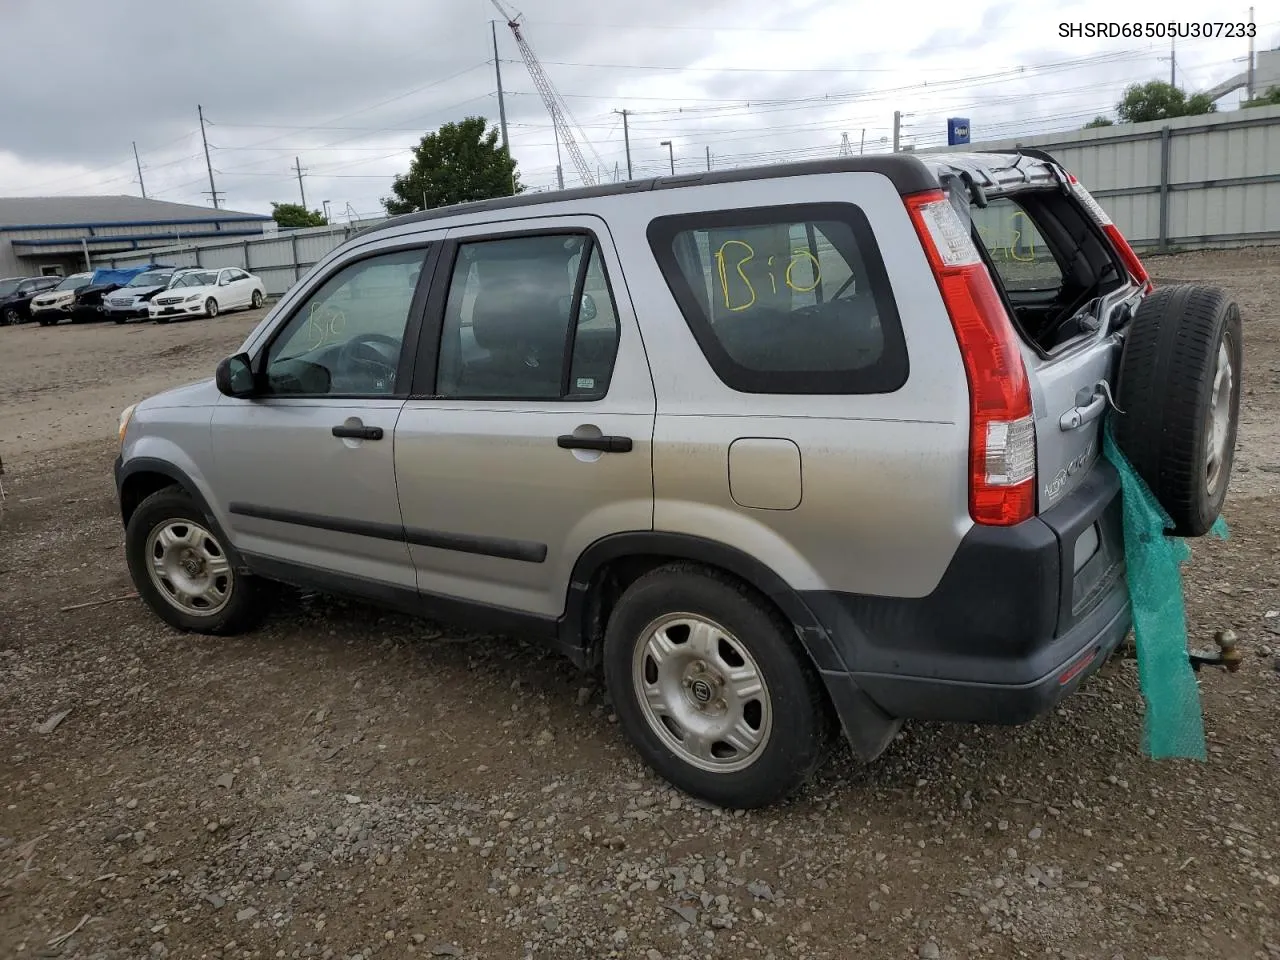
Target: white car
57,304
206,293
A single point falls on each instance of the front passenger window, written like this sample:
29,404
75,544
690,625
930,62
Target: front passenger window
346,339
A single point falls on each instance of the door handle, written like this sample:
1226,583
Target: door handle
1088,408
606,444
357,433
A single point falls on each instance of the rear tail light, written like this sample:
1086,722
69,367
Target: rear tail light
1099,216
1002,438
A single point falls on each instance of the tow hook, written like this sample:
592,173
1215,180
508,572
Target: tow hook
1228,654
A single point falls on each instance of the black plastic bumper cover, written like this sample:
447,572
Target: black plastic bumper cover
1011,629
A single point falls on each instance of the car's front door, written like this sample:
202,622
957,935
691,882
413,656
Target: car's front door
535,440
304,469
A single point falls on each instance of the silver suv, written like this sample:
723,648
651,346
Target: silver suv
782,451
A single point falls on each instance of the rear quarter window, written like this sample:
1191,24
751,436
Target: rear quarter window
786,299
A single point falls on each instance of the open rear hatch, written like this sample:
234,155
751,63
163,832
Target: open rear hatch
1067,288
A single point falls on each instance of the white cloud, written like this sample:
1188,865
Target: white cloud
349,88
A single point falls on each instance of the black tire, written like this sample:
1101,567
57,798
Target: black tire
256,302
246,596
1166,390
47,323
12,317
119,319
799,733
211,308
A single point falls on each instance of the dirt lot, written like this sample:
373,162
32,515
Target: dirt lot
346,783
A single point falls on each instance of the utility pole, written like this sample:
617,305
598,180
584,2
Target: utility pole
325,204
863,142
297,166
897,128
708,156
1173,63
138,163
1248,87
671,152
626,139
213,190
502,103
559,168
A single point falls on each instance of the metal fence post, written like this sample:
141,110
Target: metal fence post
1166,135
293,245
247,268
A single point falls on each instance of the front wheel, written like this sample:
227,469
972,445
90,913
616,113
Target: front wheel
211,308
711,688
12,317
182,570
256,301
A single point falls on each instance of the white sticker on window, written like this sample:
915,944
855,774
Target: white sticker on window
586,383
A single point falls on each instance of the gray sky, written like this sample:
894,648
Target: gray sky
350,86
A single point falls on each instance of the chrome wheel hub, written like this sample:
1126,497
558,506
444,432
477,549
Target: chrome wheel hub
1218,419
188,567
702,692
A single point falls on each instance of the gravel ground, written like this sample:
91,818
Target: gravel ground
347,783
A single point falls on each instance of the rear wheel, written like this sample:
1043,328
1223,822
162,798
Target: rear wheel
1179,388
12,317
211,308
256,302
711,689
182,570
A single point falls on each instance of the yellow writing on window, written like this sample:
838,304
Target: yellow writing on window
736,287
1022,233
325,324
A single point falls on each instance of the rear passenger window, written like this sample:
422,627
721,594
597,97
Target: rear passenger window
788,299
528,318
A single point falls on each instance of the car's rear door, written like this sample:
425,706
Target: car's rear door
1066,289
529,432
1064,286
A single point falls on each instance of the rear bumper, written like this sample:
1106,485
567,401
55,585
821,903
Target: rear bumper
1022,615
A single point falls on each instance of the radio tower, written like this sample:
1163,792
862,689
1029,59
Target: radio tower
561,117
846,149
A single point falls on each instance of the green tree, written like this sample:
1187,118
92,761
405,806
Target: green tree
296,215
1099,121
1158,100
1269,99
459,163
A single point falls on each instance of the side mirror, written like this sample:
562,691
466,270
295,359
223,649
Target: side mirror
234,376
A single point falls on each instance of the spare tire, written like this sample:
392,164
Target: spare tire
1179,391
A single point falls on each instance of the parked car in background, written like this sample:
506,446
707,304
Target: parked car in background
132,301
206,293
90,300
59,304
16,294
